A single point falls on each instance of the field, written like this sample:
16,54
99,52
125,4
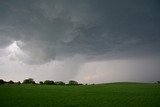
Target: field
104,95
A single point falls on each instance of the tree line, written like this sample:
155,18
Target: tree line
46,82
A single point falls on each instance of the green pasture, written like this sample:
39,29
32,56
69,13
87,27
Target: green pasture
104,95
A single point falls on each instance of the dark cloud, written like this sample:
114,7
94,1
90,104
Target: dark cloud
56,28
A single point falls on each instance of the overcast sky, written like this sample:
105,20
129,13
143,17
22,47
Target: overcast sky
91,41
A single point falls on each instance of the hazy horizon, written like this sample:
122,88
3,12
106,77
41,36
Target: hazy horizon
89,41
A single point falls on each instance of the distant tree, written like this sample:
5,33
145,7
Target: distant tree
80,84
29,81
18,82
49,82
10,82
59,83
2,81
41,82
72,82
158,82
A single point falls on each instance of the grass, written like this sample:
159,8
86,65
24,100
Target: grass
104,95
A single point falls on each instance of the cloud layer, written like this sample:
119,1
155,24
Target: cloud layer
40,32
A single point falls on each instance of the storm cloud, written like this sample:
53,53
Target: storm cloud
73,33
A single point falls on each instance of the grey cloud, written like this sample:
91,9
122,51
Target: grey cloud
52,28
123,27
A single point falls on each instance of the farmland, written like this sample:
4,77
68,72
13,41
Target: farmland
102,95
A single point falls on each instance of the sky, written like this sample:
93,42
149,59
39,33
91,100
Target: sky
90,41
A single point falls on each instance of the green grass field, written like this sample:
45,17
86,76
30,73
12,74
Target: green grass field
106,95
